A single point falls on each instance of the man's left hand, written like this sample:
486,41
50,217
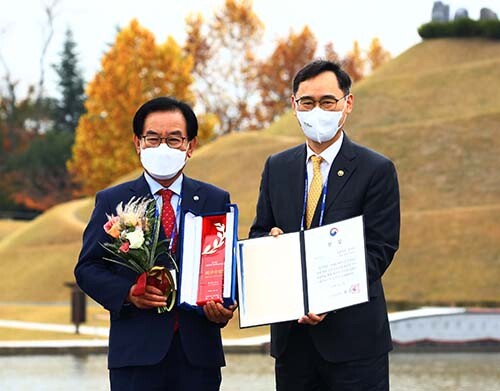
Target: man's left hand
217,313
311,319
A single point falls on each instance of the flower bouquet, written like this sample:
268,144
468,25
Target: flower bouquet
135,230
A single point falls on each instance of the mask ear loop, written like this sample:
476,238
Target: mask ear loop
345,107
142,144
187,149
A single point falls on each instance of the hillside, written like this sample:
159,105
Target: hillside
434,110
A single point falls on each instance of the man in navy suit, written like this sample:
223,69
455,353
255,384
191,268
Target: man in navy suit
328,179
177,350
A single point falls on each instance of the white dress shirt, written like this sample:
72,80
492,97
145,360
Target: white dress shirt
328,156
176,188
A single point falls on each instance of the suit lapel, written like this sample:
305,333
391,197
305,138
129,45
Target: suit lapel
140,187
297,168
341,171
192,198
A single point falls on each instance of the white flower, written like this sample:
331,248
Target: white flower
135,238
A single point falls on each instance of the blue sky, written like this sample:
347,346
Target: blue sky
94,22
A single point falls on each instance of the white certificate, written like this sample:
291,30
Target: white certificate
270,280
336,267
318,270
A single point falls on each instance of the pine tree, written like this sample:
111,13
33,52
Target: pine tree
71,86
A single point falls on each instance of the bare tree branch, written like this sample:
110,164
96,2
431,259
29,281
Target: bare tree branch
9,102
50,13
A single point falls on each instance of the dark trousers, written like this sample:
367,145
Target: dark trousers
173,373
301,368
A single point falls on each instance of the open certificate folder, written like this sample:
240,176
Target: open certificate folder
208,265
318,270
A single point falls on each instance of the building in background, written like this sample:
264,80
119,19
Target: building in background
461,13
440,12
487,14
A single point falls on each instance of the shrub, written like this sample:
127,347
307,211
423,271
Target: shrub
490,28
461,28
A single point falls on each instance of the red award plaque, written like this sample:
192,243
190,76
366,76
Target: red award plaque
213,245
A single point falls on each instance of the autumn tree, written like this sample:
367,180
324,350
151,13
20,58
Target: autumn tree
38,175
35,171
134,70
32,165
225,64
14,137
331,54
275,74
24,122
207,123
376,54
14,113
354,63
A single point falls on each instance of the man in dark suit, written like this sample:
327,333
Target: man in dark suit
329,179
178,350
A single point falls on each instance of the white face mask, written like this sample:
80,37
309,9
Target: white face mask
163,162
320,125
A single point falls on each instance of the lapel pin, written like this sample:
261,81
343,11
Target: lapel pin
196,198
340,173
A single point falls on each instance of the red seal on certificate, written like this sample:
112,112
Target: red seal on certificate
355,289
213,244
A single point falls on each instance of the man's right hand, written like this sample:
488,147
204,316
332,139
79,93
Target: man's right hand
152,298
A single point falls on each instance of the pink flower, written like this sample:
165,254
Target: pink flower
124,247
112,227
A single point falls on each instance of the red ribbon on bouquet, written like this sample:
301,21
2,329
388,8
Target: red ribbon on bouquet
161,278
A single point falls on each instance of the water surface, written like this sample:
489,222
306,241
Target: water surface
254,372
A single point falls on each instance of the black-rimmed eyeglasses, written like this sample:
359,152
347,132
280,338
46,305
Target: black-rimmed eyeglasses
153,141
326,102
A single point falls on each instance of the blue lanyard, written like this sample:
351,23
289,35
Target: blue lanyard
174,228
323,202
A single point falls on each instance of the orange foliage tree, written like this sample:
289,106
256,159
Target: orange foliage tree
224,63
331,54
134,70
354,63
275,74
376,54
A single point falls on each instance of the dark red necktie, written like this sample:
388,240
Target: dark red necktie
169,225
168,220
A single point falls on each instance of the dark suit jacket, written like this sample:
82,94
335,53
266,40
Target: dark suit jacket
368,187
143,337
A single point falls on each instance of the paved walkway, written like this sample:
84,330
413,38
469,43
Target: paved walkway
99,343
60,328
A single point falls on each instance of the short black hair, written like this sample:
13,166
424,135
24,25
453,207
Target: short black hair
314,68
166,103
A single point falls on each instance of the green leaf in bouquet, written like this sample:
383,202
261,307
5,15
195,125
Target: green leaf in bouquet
131,267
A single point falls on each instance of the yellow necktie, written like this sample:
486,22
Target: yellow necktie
314,190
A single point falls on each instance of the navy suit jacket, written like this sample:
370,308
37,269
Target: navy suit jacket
360,182
137,336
